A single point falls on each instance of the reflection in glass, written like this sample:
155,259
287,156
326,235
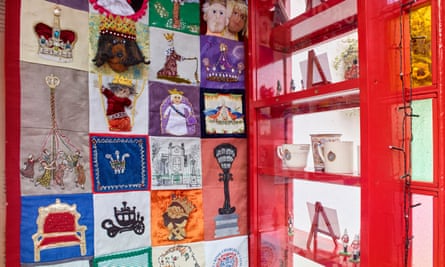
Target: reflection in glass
420,31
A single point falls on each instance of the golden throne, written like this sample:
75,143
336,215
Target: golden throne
57,226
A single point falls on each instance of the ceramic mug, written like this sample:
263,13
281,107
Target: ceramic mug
318,141
293,155
337,156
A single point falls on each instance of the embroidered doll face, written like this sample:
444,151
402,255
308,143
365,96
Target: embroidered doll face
176,98
216,17
123,92
237,18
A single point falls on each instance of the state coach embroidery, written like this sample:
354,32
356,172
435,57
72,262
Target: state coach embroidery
127,219
119,163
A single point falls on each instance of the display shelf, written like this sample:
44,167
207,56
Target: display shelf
341,179
325,21
325,252
331,96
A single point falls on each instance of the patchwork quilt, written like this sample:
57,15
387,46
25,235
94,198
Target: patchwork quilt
128,133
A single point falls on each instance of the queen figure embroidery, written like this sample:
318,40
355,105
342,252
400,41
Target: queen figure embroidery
177,116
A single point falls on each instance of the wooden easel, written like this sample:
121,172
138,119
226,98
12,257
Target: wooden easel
312,59
315,227
309,4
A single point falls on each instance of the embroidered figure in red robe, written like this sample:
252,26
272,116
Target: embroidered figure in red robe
117,101
170,68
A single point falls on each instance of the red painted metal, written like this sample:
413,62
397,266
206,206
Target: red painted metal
380,97
438,51
12,122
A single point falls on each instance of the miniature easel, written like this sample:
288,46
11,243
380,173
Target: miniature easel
312,59
280,16
315,226
308,5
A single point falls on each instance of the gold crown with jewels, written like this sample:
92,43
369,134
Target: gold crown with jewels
118,26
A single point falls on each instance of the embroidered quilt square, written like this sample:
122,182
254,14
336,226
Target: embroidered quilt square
56,227
175,163
118,43
54,150
189,254
140,258
121,221
174,57
174,110
181,16
222,63
63,48
177,216
119,162
222,113
231,252
118,104
224,187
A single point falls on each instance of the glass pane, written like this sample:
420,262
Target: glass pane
420,27
335,209
338,60
345,122
422,249
422,146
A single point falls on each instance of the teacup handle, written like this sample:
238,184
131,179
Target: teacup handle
280,152
320,152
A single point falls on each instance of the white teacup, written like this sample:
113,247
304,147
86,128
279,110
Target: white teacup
337,156
293,155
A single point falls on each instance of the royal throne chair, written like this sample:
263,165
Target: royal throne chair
58,226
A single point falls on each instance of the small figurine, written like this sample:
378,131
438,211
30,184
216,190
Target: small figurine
279,88
345,243
290,224
355,245
292,86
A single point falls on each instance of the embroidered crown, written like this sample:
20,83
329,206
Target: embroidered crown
121,80
184,203
118,26
175,92
54,43
169,36
223,70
